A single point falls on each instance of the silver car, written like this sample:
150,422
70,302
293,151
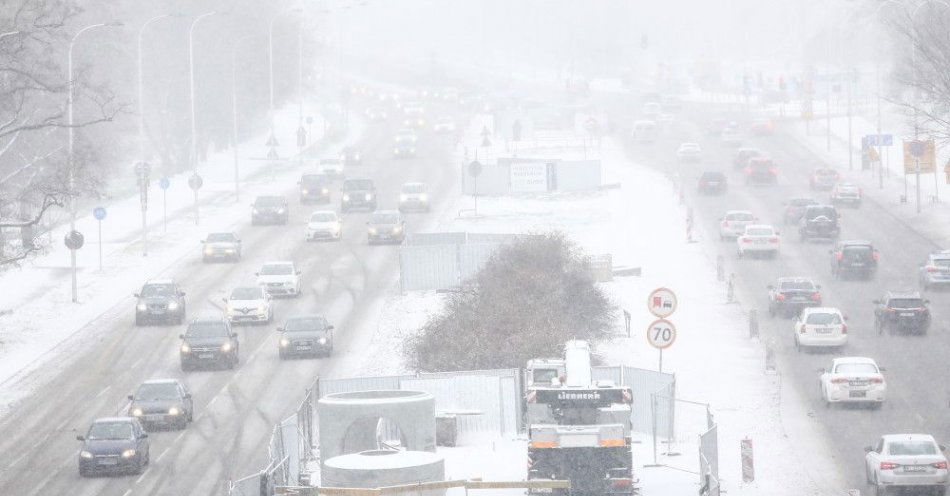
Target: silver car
386,226
221,246
906,461
414,197
936,271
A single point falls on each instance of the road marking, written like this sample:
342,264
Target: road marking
103,391
127,492
63,424
162,454
17,459
143,475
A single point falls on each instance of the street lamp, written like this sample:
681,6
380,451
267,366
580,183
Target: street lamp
142,122
70,89
270,51
191,78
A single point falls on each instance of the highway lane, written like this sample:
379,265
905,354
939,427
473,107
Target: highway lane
916,365
235,410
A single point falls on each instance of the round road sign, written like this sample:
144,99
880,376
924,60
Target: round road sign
99,213
195,182
662,302
475,168
74,240
661,334
164,183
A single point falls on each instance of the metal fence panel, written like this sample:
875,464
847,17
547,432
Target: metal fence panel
709,461
472,257
427,267
476,398
578,175
248,486
331,386
290,439
644,383
493,181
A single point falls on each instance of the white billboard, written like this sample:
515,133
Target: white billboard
529,177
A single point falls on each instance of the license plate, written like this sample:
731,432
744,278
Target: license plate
857,394
907,314
823,330
857,264
108,461
542,490
304,348
915,468
761,241
206,356
154,418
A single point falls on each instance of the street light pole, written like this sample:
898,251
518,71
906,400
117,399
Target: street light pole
191,78
70,166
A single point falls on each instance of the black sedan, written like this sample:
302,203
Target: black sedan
113,445
713,183
162,403
305,336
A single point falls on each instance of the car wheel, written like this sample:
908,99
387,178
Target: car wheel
139,468
771,312
281,355
83,473
185,367
139,321
798,344
880,490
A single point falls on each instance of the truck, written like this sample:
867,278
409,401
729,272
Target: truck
578,429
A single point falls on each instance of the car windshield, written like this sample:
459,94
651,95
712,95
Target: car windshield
414,188
157,391
797,286
358,184
305,324
269,201
158,290
862,251
760,231
713,176
247,294
911,448
760,164
110,430
207,329
313,179
330,161
823,319
825,173
941,262
277,270
221,238
742,216
801,202
323,217
906,303
828,212
381,218
856,368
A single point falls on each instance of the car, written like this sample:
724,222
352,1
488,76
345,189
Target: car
404,150
821,327
689,152
846,194
853,380
113,445
221,246
386,226
376,114
730,135
741,160
795,208
854,258
733,223
308,335
326,225
444,125
279,279
789,295
414,197
902,311
906,462
644,131
351,156
713,183
208,341
651,110
760,170
332,168
935,272
819,222
314,188
358,194
414,115
823,179
162,403
715,126
248,305
405,136
270,209
762,126
758,239
159,300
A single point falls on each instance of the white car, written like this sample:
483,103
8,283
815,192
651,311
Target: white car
732,225
324,224
331,167
731,136
444,125
853,380
279,279
651,110
821,327
248,304
414,197
758,239
689,152
846,194
906,461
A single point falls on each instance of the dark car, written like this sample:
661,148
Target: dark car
358,194
160,301
713,183
351,156
113,445
221,245
208,342
386,226
902,312
936,271
819,222
823,179
795,208
314,188
854,258
305,336
162,403
270,210
404,149
743,155
761,170
790,295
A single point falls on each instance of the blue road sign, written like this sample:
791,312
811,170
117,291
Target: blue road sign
879,139
99,213
164,183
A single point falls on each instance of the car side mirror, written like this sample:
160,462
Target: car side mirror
777,233
868,449
202,241
181,336
330,327
299,272
181,293
845,317
822,370
136,295
187,396
876,302
926,302
280,329
942,447
817,286
80,438
225,300
143,435
882,369
257,273
233,335
130,397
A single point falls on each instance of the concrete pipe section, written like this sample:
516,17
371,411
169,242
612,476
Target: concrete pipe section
382,468
351,422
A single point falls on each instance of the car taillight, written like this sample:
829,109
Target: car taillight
839,380
839,256
888,466
746,240
531,397
932,268
773,240
780,297
939,465
773,170
816,296
877,380
618,483
747,170
844,328
875,256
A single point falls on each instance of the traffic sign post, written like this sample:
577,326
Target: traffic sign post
662,302
164,183
142,173
475,170
74,241
99,213
661,334
195,182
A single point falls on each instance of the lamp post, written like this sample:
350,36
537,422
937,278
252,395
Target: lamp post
191,78
70,90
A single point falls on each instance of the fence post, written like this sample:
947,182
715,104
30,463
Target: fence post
748,466
720,268
730,291
753,323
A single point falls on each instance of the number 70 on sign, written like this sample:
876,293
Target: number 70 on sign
661,334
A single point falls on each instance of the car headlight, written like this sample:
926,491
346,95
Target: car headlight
423,197
325,191
254,211
129,453
261,308
85,454
137,412
396,151
185,348
209,250
412,150
346,197
284,342
173,305
280,210
226,347
141,307
397,228
174,411
403,198
369,196
372,230
356,157
305,192
322,340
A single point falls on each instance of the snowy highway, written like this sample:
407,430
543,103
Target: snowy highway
235,410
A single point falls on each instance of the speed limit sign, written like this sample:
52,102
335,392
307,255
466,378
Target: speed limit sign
661,334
